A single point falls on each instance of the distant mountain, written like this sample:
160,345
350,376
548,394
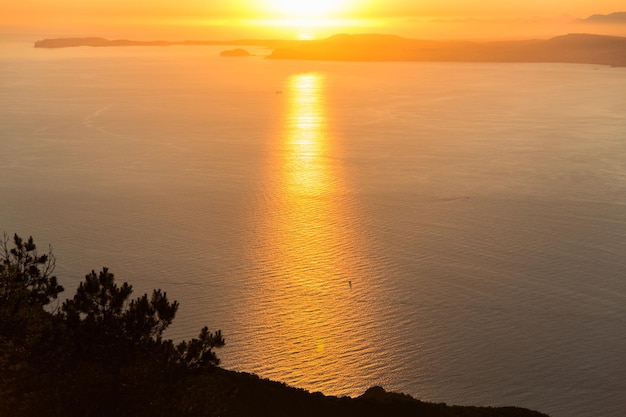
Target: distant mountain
573,48
617,17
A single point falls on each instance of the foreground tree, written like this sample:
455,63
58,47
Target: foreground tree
26,275
100,354
30,335
101,312
102,316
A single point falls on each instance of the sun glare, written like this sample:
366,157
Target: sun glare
311,19
308,8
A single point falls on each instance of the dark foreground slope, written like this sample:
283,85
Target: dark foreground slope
102,354
239,394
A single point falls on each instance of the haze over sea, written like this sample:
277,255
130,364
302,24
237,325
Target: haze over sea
454,231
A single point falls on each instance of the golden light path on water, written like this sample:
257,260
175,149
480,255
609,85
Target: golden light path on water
309,306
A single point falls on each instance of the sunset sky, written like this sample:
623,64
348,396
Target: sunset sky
293,19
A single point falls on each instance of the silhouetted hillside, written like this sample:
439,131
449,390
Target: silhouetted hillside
102,354
242,395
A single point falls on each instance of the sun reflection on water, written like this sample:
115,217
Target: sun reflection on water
307,308
306,142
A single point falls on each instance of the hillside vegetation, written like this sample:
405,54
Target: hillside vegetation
102,353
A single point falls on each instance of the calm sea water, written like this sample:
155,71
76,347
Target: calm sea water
456,232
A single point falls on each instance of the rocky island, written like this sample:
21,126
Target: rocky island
235,53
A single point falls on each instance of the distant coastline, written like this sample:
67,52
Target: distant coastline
571,48
102,42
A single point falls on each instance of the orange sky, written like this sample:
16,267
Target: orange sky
315,18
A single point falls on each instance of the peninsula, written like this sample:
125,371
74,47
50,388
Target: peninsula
571,48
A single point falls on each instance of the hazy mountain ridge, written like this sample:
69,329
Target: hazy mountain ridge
616,17
571,48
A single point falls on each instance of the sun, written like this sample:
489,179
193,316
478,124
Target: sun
311,19
309,8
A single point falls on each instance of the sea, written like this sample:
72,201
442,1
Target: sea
452,231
